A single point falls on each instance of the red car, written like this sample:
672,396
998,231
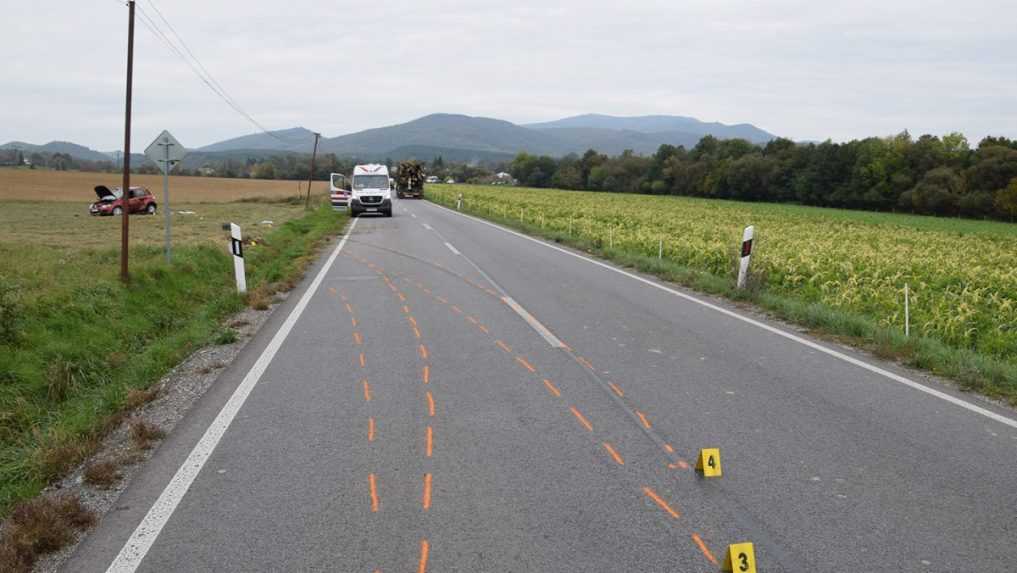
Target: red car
111,201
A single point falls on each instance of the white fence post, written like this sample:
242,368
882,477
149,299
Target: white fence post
237,247
743,270
660,249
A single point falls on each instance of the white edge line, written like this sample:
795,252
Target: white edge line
141,540
452,248
428,227
829,351
533,322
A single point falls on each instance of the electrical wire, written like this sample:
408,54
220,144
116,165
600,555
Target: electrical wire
196,66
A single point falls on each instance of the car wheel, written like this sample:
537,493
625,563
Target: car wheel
150,209
388,213
118,211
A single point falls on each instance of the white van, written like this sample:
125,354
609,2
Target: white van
371,190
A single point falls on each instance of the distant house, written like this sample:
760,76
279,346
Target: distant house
433,179
503,176
207,171
450,181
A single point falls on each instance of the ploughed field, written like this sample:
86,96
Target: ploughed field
77,186
962,274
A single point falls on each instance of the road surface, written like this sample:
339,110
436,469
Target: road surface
444,395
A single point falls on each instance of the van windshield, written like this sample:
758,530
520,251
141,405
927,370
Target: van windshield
370,182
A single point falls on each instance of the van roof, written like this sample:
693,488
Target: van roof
370,169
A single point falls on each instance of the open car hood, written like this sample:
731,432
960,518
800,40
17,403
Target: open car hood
106,194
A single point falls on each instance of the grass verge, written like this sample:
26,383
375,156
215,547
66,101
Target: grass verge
79,353
972,371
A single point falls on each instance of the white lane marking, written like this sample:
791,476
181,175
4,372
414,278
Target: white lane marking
135,549
426,226
414,215
533,322
518,308
452,248
829,351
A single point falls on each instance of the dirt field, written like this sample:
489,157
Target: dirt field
77,186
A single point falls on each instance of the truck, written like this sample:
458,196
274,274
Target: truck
371,191
409,180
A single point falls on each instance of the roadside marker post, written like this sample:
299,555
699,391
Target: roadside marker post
237,248
709,462
459,202
743,270
740,557
660,250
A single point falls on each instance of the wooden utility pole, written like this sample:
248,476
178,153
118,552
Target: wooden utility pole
310,178
126,189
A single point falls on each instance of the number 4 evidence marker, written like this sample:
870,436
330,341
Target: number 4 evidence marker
709,462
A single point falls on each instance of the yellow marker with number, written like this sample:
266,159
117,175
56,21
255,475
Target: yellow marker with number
740,557
709,462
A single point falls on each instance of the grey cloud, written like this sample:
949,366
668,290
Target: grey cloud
804,69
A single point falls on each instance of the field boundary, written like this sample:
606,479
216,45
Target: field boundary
971,371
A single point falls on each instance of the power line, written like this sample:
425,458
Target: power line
196,66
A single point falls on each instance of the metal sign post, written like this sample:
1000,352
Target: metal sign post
166,152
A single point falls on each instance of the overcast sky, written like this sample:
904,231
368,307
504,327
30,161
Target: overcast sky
805,69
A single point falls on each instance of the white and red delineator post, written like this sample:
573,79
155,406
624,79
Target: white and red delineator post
237,248
743,269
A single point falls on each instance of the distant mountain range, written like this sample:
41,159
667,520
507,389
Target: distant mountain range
465,138
73,149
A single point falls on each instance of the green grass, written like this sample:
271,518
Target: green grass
988,367
82,341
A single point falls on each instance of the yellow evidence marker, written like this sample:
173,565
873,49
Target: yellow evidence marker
709,462
740,557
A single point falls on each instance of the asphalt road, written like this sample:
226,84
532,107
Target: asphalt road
444,395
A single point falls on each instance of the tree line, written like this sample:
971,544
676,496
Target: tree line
929,175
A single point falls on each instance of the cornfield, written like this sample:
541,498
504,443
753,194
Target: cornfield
962,275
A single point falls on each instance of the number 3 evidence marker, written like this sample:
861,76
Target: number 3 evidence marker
740,557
